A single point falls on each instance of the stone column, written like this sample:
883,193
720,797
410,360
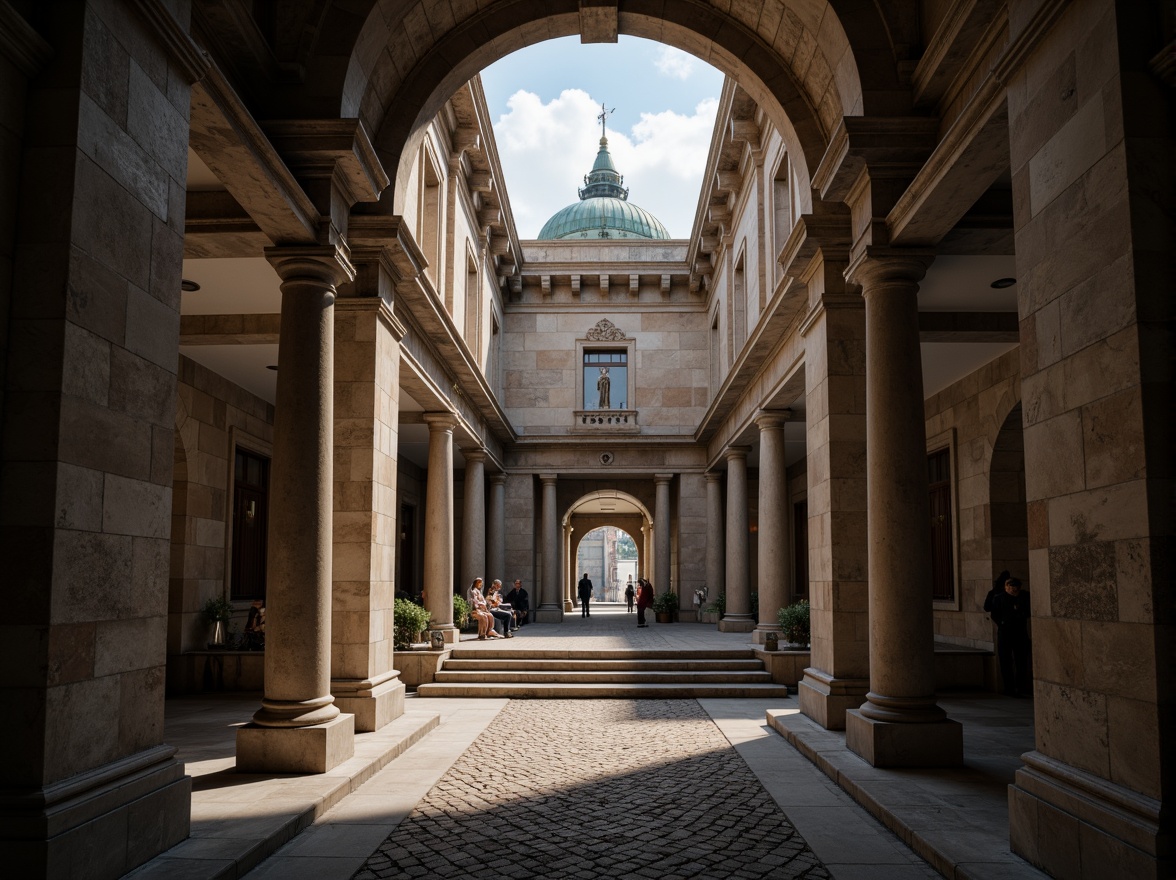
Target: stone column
715,555
774,558
568,575
661,534
900,724
738,617
473,521
551,609
367,401
298,728
496,532
439,524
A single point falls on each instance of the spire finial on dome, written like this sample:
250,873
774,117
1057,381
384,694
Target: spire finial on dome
602,116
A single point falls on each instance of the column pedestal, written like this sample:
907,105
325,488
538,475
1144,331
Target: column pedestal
825,699
891,744
313,749
374,702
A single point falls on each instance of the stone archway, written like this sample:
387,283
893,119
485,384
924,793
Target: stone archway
596,509
1008,518
808,65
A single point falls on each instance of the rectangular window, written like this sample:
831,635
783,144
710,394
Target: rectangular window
939,480
606,379
250,521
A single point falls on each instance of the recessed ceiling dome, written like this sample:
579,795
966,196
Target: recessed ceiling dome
603,210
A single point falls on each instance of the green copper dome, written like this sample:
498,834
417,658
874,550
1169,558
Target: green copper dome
603,210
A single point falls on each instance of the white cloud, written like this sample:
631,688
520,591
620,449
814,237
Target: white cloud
674,62
546,149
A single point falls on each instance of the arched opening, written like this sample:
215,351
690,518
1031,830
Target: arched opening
608,556
608,534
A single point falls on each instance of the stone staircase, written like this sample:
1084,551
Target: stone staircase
628,674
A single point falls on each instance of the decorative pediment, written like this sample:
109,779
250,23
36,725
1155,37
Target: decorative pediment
606,330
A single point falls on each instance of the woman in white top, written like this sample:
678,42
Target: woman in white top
481,611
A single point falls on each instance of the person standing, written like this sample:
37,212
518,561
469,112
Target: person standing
1010,611
644,600
630,595
585,591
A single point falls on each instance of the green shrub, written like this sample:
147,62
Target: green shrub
217,608
461,612
665,603
794,620
409,621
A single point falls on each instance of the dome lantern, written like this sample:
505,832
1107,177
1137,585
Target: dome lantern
604,210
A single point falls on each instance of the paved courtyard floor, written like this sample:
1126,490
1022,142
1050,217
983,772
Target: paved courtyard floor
598,788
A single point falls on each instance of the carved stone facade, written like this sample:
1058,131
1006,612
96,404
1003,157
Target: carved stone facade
364,311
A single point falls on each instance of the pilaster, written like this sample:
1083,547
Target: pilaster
774,559
551,609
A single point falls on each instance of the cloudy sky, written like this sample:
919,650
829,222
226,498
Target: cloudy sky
544,101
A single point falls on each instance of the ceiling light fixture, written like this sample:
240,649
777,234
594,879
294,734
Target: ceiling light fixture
273,367
189,286
1002,283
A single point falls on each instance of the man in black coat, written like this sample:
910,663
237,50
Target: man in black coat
1010,611
585,590
520,602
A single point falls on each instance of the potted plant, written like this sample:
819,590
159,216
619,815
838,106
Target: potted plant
713,612
794,621
216,613
409,620
461,612
665,606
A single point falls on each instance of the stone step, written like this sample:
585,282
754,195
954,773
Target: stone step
592,676
506,652
528,664
604,691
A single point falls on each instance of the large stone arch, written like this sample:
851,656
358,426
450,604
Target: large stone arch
582,516
805,62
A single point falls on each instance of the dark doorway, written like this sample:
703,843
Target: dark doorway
250,520
800,577
939,478
406,553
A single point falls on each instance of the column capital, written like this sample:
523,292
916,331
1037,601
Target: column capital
713,476
883,267
736,452
548,478
497,479
773,418
326,265
440,421
662,478
474,454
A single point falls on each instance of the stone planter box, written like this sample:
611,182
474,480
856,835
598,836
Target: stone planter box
664,616
708,616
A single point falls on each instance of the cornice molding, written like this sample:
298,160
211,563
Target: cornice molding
175,40
1023,44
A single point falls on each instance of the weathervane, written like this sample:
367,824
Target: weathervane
604,114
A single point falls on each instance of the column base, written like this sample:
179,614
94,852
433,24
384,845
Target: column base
825,699
1072,823
760,634
314,749
374,702
449,632
740,624
897,744
100,824
549,615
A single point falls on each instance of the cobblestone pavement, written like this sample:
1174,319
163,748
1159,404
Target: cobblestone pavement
604,789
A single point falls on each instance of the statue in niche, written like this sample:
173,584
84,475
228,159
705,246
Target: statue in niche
602,385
